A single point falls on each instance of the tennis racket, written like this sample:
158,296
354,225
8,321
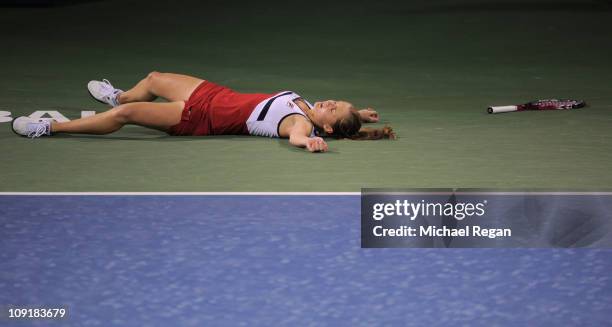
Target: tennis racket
548,104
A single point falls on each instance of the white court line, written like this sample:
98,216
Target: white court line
180,193
287,193
490,193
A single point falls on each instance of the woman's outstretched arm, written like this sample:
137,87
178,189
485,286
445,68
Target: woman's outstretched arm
299,135
368,115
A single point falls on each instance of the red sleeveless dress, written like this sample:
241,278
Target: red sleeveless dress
213,109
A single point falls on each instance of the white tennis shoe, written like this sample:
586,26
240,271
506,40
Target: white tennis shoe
30,127
104,92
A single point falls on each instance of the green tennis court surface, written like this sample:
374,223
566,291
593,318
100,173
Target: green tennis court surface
429,68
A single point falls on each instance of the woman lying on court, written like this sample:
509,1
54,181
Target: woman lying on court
199,107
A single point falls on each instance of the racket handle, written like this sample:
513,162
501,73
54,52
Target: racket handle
500,109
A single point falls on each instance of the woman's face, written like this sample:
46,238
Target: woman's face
330,111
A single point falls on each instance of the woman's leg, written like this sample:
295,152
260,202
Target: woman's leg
159,116
173,87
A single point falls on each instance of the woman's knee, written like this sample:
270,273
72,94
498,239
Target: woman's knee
154,77
123,114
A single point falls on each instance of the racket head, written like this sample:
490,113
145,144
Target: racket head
555,104
545,104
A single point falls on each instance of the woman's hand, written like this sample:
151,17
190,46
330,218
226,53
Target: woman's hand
316,144
368,115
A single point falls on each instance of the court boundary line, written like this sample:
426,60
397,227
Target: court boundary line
489,193
286,193
176,193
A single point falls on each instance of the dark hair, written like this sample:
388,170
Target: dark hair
350,128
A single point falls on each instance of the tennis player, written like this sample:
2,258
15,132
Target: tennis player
197,107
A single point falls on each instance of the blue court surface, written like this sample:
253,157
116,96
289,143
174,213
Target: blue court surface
272,260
